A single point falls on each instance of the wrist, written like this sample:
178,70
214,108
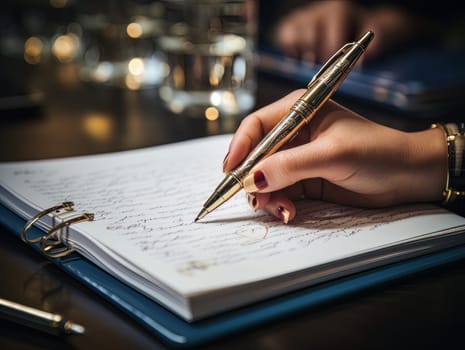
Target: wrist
428,165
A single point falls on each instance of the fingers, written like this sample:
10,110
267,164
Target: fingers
299,33
393,27
281,203
277,204
337,28
308,41
254,127
288,33
287,167
317,31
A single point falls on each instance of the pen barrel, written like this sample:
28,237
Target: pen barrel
335,74
223,192
30,317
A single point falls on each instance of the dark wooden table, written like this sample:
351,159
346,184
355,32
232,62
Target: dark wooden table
424,311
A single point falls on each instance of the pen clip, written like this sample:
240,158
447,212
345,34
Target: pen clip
331,61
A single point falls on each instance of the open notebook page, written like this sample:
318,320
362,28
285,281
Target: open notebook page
145,202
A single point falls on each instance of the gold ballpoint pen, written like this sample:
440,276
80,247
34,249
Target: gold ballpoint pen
319,90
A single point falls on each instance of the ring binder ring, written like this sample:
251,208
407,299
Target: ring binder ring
68,206
49,246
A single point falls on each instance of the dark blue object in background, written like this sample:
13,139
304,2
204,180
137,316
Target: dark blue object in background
422,83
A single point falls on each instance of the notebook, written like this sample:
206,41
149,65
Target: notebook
126,230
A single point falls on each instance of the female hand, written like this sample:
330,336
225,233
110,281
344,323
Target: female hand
339,157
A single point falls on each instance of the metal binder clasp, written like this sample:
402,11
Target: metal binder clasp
68,206
53,245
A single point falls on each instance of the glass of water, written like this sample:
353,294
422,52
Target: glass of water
120,43
208,47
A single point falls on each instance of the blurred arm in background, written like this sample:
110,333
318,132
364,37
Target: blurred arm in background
314,30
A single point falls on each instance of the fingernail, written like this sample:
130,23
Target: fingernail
253,202
255,181
283,214
225,161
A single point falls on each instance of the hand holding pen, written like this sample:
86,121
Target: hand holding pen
319,90
339,156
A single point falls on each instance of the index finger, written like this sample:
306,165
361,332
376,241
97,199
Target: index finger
255,126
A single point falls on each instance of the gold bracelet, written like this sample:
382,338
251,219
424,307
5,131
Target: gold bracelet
451,133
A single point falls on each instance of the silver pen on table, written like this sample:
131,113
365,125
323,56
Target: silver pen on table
38,319
319,90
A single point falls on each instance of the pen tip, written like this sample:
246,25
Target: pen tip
201,215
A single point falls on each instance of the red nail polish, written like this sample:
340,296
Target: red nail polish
259,180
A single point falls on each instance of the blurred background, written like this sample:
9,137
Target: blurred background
80,77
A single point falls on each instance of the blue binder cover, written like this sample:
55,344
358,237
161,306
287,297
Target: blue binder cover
423,83
178,333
